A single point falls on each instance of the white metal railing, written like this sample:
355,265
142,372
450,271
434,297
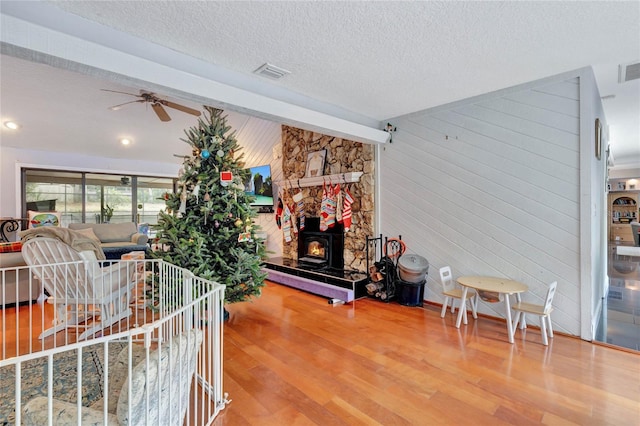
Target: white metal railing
172,314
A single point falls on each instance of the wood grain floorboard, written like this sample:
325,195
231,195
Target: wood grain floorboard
292,359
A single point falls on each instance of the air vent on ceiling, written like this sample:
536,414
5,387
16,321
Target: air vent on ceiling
628,72
271,71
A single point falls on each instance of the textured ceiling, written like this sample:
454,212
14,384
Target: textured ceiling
377,60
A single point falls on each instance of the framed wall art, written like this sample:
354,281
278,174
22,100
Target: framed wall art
315,163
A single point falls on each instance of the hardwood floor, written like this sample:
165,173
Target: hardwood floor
291,358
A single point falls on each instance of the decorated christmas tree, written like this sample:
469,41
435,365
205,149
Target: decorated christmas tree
207,227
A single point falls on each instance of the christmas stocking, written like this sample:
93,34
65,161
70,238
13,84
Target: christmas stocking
323,210
346,210
300,201
292,210
279,213
286,224
339,202
331,208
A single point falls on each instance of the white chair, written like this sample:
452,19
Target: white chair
159,393
543,311
79,288
451,292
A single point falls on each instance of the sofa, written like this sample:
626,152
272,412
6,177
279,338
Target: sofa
17,286
114,234
116,239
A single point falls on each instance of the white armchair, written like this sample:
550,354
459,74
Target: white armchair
79,287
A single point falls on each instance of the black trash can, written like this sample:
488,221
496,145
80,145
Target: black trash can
412,276
410,294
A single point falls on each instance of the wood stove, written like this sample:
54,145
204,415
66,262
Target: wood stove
321,249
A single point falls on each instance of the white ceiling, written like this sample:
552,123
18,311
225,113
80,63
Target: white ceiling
362,61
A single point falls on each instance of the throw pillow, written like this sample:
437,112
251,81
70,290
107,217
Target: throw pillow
11,247
88,232
38,219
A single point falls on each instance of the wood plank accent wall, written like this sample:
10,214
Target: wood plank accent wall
491,186
260,142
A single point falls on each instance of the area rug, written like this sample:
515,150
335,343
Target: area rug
35,373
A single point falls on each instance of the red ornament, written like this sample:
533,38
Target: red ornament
226,178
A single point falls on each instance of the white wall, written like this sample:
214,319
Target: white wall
494,185
261,144
595,282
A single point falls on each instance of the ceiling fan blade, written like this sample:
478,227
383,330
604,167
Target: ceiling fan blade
117,107
180,107
117,91
160,112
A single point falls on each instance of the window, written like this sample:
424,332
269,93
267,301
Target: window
95,197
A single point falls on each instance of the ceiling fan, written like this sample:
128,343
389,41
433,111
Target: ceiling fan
156,104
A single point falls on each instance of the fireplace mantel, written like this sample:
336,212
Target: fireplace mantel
350,177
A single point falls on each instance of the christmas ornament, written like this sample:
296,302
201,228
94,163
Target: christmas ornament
195,152
207,197
238,222
205,154
216,224
196,192
220,153
226,178
244,236
183,201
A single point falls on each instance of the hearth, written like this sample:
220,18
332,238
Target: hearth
325,281
321,249
320,265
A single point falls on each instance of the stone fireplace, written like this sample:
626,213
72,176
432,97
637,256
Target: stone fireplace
343,156
330,263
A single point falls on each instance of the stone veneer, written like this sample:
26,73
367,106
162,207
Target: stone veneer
343,156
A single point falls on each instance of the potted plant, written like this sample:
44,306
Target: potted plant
107,213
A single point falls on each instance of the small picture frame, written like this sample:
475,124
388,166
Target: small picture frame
621,186
598,142
39,219
315,163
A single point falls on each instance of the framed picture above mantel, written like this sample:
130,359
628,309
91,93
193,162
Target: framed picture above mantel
315,163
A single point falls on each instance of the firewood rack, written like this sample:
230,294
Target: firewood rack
383,273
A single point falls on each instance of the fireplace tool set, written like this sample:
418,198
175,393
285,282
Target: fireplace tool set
384,272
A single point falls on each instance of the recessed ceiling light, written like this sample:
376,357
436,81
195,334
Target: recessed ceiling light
11,125
125,141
